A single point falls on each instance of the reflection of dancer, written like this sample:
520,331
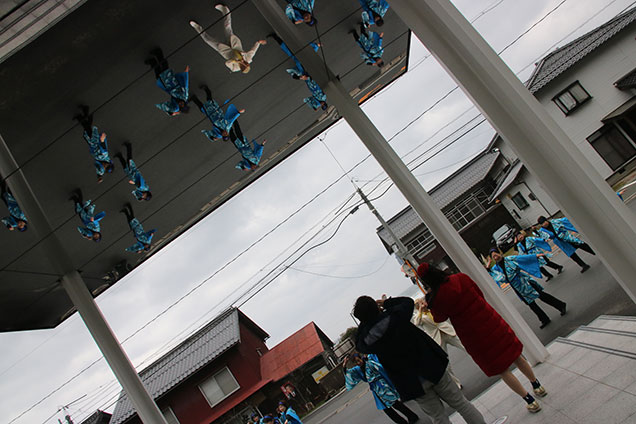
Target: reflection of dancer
558,230
386,396
143,238
536,246
86,212
176,85
487,337
374,11
17,218
236,59
443,333
371,44
509,270
222,122
251,154
301,11
142,190
97,144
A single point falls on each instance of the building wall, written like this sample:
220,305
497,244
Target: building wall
596,73
542,205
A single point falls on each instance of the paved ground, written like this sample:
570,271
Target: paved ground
588,296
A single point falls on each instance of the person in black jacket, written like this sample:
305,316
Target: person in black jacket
413,361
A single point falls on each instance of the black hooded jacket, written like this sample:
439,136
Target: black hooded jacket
406,352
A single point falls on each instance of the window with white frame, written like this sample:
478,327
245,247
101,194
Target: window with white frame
612,145
169,415
571,98
419,242
219,386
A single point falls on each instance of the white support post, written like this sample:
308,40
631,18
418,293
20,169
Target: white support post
543,147
77,291
404,180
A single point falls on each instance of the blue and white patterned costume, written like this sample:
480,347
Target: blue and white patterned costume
143,238
525,287
371,44
220,121
535,246
291,416
317,95
251,154
295,8
98,150
384,392
176,85
15,213
87,215
371,8
135,176
563,238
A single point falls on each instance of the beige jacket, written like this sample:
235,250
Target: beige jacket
434,330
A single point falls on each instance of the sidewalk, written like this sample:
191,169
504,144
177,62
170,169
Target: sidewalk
590,377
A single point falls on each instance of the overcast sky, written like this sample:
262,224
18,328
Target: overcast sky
323,285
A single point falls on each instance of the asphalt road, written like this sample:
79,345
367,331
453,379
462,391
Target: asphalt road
587,295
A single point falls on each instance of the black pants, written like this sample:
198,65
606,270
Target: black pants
397,418
552,265
576,258
550,300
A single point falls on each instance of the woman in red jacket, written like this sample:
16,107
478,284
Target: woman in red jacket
488,339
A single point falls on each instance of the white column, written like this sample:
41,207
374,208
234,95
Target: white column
404,180
77,291
543,147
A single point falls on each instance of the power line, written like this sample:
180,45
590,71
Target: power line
344,277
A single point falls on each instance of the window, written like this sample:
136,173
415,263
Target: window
571,98
219,386
169,415
520,201
610,143
423,239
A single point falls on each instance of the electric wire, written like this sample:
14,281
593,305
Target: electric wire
343,277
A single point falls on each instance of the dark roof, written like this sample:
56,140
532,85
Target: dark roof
443,194
511,175
98,417
191,355
628,81
567,56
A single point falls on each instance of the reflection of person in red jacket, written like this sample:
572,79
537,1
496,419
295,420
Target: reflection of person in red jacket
488,339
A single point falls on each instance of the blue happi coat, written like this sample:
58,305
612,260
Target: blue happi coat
98,150
535,246
525,287
317,95
563,238
291,416
371,44
221,121
176,85
371,8
251,154
135,176
15,213
142,237
384,392
87,215
295,8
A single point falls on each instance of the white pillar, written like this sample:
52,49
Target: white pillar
543,147
404,180
77,291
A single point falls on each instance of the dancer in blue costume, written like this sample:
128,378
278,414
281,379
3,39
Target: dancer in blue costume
144,238
97,144
385,394
16,219
536,246
371,44
175,84
558,230
509,270
287,414
251,153
222,121
373,11
86,212
142,189
301,11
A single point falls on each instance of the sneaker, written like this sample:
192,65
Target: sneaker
533,407
544,324
548,278
560,269
585,268
540,391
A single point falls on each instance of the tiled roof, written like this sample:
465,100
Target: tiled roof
293,352
184,360
628,81
98,417
567,56
443,194
505,183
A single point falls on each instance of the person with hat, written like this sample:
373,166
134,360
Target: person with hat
509,269
536,246
16,219
287,414
487,338
558,230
